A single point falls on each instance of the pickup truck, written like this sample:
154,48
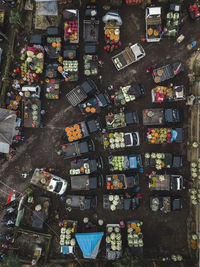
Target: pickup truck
129,93
165,182
81,202
165,204
94,105
120,120
49,182
121,181
164,135
162,160
81,92
121,140
86,182
82,129
160,116
86,166
91,25
124,163
77,149
153,24
162,94
167,72
128,56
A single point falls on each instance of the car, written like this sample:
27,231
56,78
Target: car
58,185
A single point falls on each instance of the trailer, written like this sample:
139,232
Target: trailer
86,166
165,182
82,129
164,135
165,204
160,116
167,72
121,181
54,42
121,140
91,25
81,202
120,120
77,149
31,113
153,24
94,105
49,181
162,94
124,163
81,92
86,182
162,160
129,93
128,56
71,25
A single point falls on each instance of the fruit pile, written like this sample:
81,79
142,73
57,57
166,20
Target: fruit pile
73,133
162,92
71,30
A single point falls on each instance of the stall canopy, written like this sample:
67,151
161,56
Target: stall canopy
89,244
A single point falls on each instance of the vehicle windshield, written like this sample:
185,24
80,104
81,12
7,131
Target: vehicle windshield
134,139
58,187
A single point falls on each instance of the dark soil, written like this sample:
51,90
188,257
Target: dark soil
163,234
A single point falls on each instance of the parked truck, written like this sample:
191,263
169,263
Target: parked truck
125,162
81,92
121,181
82,129
81,202
162,160
86,182
121,140
91,24
71,25
77,149
167,72
120,120
153,24
128,56
160,116
164,135
165,204
49,181
86,166
165,182
162,94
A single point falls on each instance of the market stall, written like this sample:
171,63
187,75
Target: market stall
168,94
54,42
71,25
162,160
128,162
116,181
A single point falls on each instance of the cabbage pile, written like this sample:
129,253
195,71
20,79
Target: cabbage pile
114,238
66,237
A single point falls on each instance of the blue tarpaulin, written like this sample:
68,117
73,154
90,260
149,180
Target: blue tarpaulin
174,135
89,243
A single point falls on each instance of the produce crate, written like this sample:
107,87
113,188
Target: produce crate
113,242
90,65
71,67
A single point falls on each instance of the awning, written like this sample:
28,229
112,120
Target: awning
89,244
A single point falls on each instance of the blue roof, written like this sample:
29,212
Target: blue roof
88,242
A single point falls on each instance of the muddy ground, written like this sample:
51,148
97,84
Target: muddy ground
163,234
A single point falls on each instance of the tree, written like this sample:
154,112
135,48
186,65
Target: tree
129,261
15,18
11,261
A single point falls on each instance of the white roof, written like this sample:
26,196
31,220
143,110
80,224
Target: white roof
154,11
